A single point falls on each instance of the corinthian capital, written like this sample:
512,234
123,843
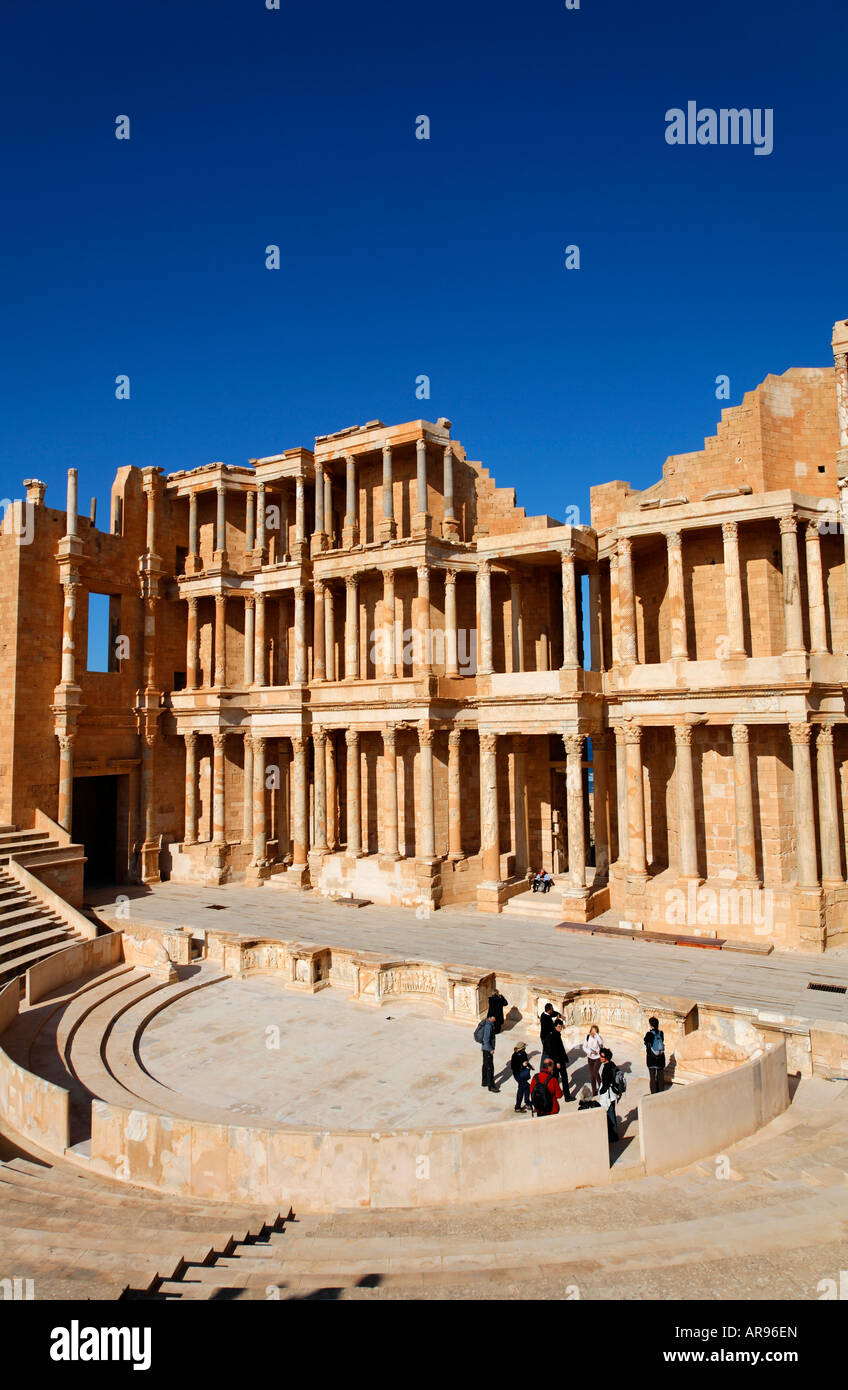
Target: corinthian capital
799,734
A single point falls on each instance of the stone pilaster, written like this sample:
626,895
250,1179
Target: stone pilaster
576,821
638,867
485,665
454,795
815,590
260,828
600,797
390,794
319,744
621,794
831,854
427,804
190,829
354,803
490,846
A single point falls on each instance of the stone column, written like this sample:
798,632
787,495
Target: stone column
454,795
676,595
151,605
686,801
247,794
261,542
600,777
328,505
840,364
570,656
299,512
450,525
390,794
793,620
422,515
319,532
428,827
319,746
451,636
354,808
71,591
596,631
250,521
300,635
219,831
259,661
615,612
805,826
150,490
72,506
332,814
485,665
490,847
388,528
635,803
746,849
330,633
423,634
621,792
389,661
249,638
150,847
522,821
351,521
220,639
831,855
516,624
576,822
300,817
319,667
733,588
190,831
221,526
66,781
815,590
351,637
193,553
191,646
626,604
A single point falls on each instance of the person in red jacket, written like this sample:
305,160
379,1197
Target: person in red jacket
546,1078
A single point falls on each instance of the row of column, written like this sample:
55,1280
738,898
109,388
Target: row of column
631,803
256,537
255,829
624,596
387,528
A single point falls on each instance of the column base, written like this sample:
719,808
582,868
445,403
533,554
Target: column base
422,524
318,542
300,552
387,531
489,897
193,565
298,874
388,861
350,537
257,873
220,559
450,529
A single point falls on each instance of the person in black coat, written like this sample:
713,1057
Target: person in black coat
497,1004
608,1094
547,1019
556,1051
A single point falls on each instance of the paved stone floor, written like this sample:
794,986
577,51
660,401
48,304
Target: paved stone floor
267,1054
776,983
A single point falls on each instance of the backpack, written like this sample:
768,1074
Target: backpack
542,1099
478,1031
657,1043
619,1085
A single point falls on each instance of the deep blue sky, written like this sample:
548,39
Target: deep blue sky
401,256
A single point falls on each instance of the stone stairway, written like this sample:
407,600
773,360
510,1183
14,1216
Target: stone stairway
33,847
774,1227
30,929
76,1236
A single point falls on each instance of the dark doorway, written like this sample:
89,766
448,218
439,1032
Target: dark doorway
95,814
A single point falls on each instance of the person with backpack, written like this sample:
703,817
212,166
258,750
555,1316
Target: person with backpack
521,1070
655,1055
485,1034
613,1086
554,1048
545,1093
592,1048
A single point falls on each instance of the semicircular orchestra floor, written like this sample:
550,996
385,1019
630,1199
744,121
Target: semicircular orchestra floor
265,1055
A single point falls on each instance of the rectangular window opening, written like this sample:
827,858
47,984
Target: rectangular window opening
104,633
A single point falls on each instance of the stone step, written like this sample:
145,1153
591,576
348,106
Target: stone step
13,935
22,963
85,1055
14,837
39,936
68,1186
